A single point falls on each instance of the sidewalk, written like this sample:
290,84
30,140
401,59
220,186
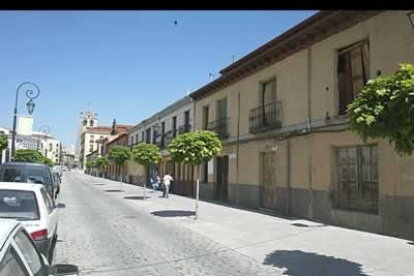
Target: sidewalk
299,247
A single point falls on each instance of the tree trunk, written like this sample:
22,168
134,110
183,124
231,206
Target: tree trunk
197,191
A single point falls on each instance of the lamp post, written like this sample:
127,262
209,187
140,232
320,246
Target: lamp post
31,94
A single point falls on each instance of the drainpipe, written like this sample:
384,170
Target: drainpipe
288,176
309,129
237,138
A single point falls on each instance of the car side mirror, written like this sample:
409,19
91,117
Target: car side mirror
64,270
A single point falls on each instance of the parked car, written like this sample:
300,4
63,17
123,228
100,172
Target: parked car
28,172
20,257
31,205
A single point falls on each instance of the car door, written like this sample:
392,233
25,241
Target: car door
12,264
34,262
52,216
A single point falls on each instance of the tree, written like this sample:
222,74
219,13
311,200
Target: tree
146,154
385,109
3,144
90,164
47,161
194,148
102,163
120,155
28,156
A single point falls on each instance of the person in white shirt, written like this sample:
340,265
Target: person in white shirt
167,181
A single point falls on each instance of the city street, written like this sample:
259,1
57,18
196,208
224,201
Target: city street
106,232
105,235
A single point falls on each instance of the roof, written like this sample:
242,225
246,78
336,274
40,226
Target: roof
104,129
170,108
310,31
19,186
6,227
122,135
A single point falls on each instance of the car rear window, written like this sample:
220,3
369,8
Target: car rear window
12,174
36,175
18,204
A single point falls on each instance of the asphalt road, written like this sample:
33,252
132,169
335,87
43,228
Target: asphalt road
106,235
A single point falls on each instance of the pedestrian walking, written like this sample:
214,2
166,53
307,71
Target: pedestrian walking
155,182
167,181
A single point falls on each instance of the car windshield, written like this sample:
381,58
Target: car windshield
18,204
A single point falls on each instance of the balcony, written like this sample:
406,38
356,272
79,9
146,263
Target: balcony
265,118
184,129
220,127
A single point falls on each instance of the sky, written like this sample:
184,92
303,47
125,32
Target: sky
125,65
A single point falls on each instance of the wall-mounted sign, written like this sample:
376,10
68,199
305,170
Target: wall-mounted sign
232,156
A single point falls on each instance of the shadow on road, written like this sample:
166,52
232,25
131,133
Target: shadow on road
173,213
136,197
98,184
114,191
61,205
300,263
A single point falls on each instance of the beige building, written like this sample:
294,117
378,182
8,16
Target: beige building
91,135
280,112
161,129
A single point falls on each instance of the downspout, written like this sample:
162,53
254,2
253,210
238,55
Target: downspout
309,129
237,139
288,176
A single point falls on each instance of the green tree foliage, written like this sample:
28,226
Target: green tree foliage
48,162
3,144
31,156
194,148
385,109
28,156
146,154
102,163
119,155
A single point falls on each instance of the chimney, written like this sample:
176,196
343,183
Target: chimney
113,132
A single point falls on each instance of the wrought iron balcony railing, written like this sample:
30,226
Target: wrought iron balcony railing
220,126
265,118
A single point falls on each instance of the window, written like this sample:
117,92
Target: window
47,200
136,138
12,175
187,121
205,172
148,136
205,117
132,140
357,178
353,72
21,204
174,125
12,265
268,92
162,134
91,123
142,136
30,254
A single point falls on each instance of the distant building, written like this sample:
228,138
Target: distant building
92,134
87,119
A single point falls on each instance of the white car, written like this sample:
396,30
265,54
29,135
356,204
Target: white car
31,205
19,256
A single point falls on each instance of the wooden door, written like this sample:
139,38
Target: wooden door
268,180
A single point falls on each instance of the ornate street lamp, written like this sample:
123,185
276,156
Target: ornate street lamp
31,94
